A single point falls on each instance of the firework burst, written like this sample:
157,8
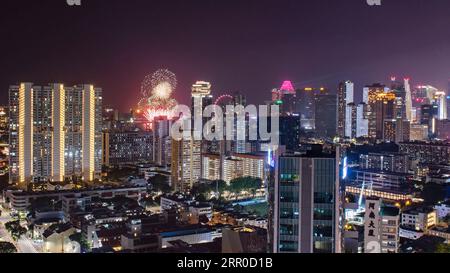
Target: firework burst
157,90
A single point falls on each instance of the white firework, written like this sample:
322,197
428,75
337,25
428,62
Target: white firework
157,90
161,84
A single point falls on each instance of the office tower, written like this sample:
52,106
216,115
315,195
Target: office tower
418,132
362,123
401,89
414,115
186,163
290,129
288,98
285,89
325,115
345,101
448,103
351,120
389,129
380,107
448,99
306,209
441,101
396,130
55,133
428,114
430,92
305,107
201,98
408,99
443,129
402,130
129,147
419,95
4,120
285,97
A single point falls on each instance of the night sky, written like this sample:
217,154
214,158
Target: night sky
249,46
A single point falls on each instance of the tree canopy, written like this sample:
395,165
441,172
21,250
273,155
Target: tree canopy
6,247
160,183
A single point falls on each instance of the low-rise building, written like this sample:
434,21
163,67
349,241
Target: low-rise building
442,209
419,219
244,240
442,232
57,239
21,200
201,209
390,221
389,162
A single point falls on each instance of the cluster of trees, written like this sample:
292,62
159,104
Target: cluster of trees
160,183
433,193
443,248
84,244
6,247
119,174
249,184
15,229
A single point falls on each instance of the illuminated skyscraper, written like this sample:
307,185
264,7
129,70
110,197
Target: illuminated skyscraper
306,205
380,107
4,120
429,112
441,101
201,98
345,101
201,94
408,100
55,133
362,123
305,107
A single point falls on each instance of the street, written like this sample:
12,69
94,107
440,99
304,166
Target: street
23,245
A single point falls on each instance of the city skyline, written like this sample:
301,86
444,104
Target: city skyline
115,46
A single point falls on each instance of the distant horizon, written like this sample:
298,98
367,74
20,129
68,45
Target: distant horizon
358,91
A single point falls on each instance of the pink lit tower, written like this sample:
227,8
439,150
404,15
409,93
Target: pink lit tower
285,98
